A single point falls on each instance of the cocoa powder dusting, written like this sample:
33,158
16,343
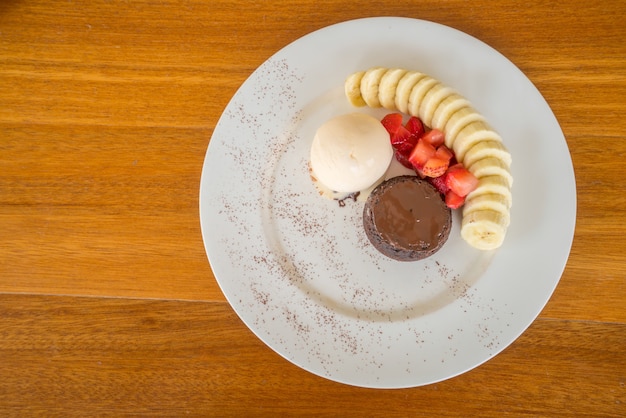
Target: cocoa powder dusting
310,282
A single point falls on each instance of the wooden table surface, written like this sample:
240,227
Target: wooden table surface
108,304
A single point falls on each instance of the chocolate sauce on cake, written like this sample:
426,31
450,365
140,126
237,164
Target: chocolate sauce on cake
406,219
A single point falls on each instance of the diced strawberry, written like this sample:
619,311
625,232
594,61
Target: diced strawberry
403,141
392,122
435,167
453,200
401,138
422,152
403,159
440,184
434,137
460,180
415,126
444,153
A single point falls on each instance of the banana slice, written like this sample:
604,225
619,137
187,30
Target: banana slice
484,149
491,166
417,94
486,213
459,120
352,88
404,88
448,107
388,86
431,102
369,85
473,133
490,201
493,185
484,229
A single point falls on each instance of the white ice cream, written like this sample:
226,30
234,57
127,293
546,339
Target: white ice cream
350,153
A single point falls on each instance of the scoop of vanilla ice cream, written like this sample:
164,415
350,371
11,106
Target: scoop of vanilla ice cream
350,152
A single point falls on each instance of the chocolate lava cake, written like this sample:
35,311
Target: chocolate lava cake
406,219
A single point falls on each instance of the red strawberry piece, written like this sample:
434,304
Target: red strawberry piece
392,122
403,141
440,184
456,166
403,159
460,180
400,137
415,126
422,152
434,137
453,200
435,167
444,153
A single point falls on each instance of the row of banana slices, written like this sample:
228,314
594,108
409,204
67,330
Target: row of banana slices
486,213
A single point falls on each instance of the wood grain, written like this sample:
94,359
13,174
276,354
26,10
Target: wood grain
164,358
108,304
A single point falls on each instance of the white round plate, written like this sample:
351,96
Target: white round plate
299,270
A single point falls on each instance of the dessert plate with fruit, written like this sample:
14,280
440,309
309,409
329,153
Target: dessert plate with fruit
392,210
